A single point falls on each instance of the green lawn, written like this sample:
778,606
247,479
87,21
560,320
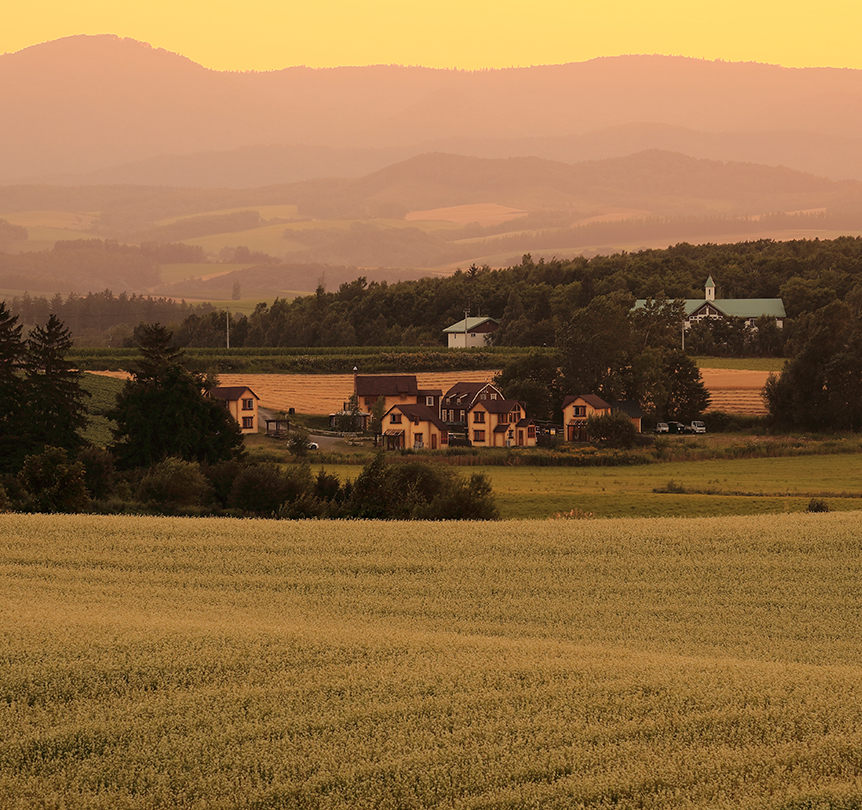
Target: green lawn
745,486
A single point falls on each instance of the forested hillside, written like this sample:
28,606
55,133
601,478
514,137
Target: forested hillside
533,298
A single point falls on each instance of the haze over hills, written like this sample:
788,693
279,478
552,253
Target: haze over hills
100,109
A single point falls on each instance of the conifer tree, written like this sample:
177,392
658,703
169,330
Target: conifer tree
162,412
13,409
56,410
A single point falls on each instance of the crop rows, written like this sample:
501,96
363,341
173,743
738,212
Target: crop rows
186,663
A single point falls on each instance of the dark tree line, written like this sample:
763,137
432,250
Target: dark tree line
536,300
103,314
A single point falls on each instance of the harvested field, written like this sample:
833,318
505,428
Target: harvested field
732,390
323,393
735,390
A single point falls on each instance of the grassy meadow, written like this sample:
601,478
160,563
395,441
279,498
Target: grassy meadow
665,663
709,487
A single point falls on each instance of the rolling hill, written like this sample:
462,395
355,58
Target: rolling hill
101,109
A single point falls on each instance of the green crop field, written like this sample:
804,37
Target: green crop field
711,487
214,663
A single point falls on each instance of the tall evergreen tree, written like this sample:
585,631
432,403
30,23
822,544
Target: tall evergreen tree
13,408
163,412
53,389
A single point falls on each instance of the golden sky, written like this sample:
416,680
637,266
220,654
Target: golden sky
467,34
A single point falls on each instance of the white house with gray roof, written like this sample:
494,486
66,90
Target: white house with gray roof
471,332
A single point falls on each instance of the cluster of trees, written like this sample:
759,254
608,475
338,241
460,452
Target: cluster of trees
175,449
535,300
102,316
41,401
820,387
608,348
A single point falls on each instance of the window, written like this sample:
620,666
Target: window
483,395
248,404
580,410
478,416
478,435
493,396
444,437
395,418
531,431
248,423
429,401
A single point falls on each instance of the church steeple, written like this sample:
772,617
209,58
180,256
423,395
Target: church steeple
709,290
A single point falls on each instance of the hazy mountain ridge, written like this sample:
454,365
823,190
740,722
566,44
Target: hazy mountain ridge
84,104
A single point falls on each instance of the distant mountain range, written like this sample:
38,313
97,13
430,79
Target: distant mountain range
104,110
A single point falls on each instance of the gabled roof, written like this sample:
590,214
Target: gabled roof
499,405
733,307
591,399
740,307
422,413
472,325
231,393
471,389
385,385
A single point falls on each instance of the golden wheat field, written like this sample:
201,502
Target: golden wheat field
216,663
731,390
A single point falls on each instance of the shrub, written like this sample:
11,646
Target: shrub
53,483
263,489
613,429
98,471
173,484
817,505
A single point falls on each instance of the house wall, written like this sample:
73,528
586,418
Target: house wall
243,414
468,340
417,435
482,424
575,416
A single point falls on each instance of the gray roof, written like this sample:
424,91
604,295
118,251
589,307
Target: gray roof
472,324
734,307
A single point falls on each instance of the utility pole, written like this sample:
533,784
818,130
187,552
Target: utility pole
466,313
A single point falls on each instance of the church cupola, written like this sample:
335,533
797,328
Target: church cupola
709,290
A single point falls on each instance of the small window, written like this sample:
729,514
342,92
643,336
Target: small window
580,410
429,401
444,437
531,432
248,404
478,435
395,418
248,423
483,395
478,416
493,396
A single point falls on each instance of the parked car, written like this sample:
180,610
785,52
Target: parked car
661,427
678,428
698,427
313,446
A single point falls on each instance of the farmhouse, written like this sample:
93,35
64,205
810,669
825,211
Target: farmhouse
461,397
578,408
242,404
749,309
393,389
500,423
471,333
413,426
